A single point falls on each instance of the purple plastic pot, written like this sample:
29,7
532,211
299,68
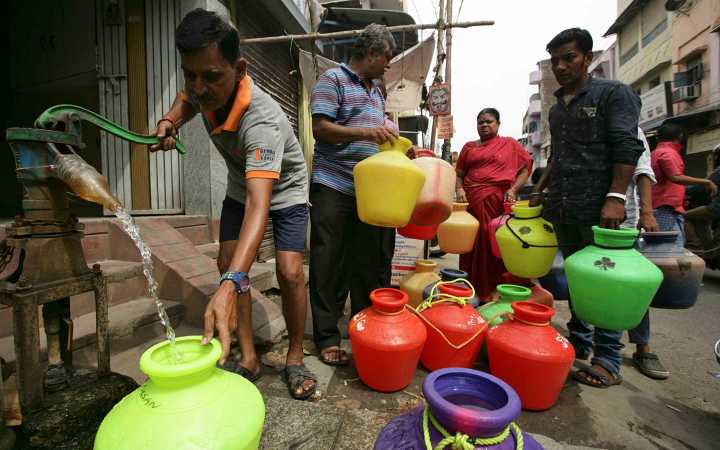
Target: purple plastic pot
462,400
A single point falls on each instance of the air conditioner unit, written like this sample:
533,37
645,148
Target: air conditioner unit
686,93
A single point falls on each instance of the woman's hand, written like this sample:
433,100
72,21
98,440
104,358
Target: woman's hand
511,195
460,196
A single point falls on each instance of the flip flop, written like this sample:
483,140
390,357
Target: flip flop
295,375
342,357
582,376
233,366
649,365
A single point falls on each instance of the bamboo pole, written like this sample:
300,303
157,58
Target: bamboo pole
311,9
440,26
438,66
446,152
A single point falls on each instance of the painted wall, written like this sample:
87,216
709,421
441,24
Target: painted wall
691,37
652,60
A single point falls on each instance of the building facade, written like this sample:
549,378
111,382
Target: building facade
644,44
669,52
536,128
696,84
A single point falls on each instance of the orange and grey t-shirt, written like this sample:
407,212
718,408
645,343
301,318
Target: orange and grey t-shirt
257,141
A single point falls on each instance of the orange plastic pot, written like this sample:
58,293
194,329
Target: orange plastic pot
387,340
530,355
455,335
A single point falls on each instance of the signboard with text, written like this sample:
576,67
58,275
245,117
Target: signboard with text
654,105
445,129
407,252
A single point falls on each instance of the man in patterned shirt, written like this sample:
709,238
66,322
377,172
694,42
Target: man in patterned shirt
348,112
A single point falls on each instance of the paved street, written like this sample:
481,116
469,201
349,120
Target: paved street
682,412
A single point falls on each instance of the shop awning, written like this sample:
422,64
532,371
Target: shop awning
404,79
340,19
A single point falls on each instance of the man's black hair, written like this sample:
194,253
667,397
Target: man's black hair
492,111
581,37
200,28
670,132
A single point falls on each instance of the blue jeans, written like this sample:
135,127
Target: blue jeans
668,220
605,345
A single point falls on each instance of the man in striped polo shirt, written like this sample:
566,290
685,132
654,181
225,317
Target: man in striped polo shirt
348,112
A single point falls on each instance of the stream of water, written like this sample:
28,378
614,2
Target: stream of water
130,227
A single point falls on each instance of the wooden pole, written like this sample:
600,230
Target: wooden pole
446,152
438,65
311,9
440,26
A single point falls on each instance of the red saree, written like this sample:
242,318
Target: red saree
489,169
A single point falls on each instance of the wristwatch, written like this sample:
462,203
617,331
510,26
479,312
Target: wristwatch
241,280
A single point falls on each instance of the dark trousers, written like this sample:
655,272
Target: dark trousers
605,345
346,255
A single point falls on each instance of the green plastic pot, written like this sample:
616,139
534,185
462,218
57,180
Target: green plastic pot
508,293
612,284
185,405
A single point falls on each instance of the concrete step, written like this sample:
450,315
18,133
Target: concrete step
125,318
125,282
210,250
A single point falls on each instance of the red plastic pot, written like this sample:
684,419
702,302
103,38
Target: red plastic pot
423,232
538,294
495,224
455,334
530,355
387,340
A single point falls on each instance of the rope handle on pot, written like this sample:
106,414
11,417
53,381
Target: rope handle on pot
464,442
436,296
525,243
428,303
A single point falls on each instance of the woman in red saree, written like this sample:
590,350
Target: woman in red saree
489,171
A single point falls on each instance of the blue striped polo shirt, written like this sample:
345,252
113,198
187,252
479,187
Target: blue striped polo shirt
341,95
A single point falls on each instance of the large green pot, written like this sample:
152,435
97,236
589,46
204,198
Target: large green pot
612,284
188,405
